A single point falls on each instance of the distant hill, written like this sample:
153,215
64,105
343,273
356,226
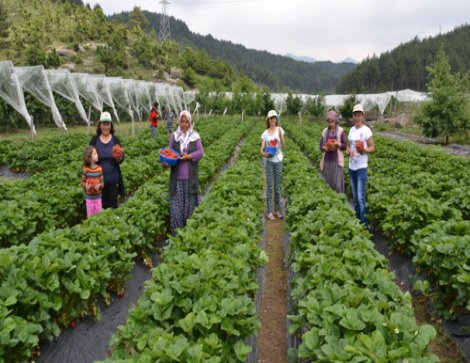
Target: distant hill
405,66
279,73
350,60
301,58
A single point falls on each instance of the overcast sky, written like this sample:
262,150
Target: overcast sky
325,30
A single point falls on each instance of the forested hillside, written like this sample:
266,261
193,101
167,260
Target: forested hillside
279,73
405,66
72,35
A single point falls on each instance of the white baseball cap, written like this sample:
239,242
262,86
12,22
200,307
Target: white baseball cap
105,117
272,113
358,108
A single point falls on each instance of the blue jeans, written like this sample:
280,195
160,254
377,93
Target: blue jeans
358,180
153,131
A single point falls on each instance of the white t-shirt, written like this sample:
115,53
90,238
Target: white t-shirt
356,160
268,138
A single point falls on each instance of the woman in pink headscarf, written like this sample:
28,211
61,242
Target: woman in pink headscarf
332,142
184,177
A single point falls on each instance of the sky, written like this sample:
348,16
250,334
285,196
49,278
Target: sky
324,30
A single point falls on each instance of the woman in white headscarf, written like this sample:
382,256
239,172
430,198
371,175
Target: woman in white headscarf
184,177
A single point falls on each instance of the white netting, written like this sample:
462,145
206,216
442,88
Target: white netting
62,83
34,80
119,93
143,95
279,100
87,87
408,95
178,97
189,97
104,92
130,89
335,100
380,100
12,93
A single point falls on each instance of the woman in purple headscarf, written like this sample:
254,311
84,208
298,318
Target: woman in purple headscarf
332,143
184,177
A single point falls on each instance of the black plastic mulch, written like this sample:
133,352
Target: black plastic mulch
402,266
89,341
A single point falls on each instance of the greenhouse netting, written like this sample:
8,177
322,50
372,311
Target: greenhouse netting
12,92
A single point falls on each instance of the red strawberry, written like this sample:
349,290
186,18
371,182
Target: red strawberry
73,325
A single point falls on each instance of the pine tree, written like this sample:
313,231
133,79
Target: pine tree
4,26
444,114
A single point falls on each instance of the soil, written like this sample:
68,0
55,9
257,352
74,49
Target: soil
272,338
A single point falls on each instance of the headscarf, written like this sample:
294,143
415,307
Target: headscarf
185,138
332,115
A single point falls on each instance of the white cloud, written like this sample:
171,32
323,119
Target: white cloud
325,30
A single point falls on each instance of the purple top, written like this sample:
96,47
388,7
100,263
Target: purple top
332,156
182,168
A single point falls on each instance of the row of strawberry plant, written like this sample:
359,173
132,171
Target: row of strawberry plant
426,215
429,173
347,307
39,155
58,277
198,306
421,215
55,199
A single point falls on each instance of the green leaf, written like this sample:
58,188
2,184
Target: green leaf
242,350
188,322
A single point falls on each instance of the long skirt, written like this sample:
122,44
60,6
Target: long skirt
334,176
182,205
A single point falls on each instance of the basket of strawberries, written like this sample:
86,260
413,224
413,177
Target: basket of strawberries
272,148
118,153
169,156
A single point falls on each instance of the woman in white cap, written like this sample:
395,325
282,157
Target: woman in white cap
332,142
184,176
360,143
104,141
273,136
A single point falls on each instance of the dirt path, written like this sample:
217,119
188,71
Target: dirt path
272,338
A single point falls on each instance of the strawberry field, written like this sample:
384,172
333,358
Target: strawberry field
202,301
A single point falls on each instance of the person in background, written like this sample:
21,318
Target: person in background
332,142
360,144
154,116
92,181
169,115
273,136
184,176
110,156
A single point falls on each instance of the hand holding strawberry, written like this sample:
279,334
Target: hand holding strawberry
118,153
360,147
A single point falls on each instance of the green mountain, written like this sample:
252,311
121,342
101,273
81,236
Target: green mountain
405,66
66,33
279,73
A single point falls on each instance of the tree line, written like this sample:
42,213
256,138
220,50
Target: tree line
406,66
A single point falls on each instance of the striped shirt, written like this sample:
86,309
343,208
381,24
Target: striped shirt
91,178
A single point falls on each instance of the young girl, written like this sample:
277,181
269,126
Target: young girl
92,181
273,136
